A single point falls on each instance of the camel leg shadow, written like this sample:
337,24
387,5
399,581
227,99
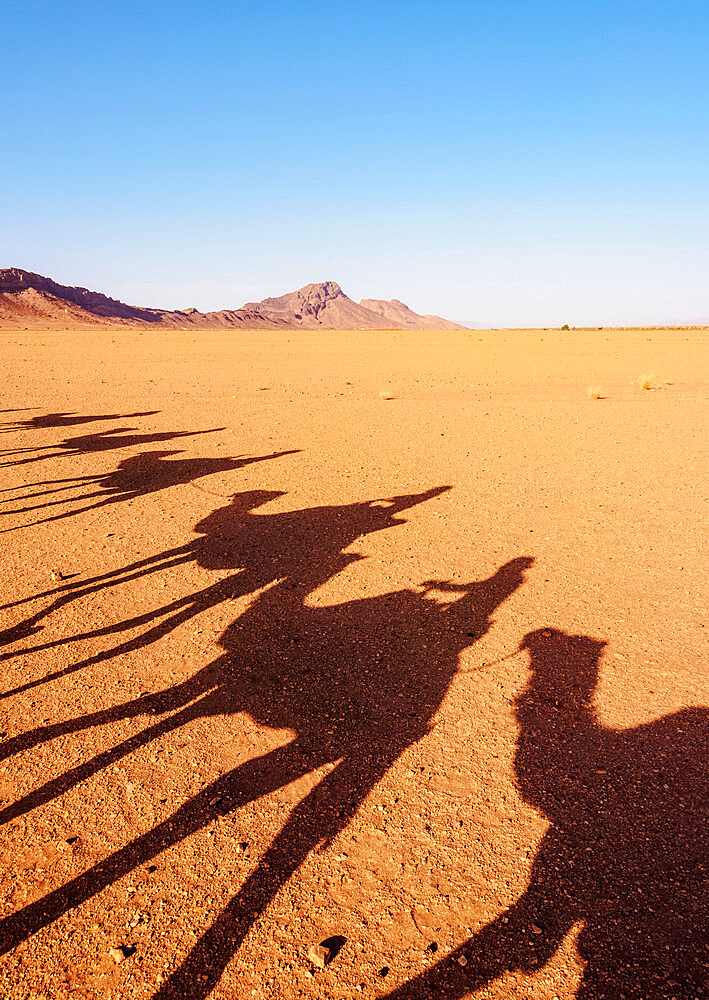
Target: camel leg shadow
318,818
244,784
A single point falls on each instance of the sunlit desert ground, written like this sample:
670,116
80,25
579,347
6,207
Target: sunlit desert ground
391,637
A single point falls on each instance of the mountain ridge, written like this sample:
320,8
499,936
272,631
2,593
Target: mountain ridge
397,313
26,297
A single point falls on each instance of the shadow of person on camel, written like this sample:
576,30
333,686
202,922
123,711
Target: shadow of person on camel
137,476
625,855
357,683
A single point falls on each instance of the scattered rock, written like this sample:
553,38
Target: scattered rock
56,575
535,929
462,960
384,971
319,955
122,952
322,954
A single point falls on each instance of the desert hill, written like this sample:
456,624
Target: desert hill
319,305
28,298
397,313
31,295
326,305
31,298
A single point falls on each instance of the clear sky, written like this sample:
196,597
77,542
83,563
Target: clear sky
502,162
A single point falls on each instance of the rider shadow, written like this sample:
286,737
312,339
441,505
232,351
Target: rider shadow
99,441
64,419
625,855
136,476
358,683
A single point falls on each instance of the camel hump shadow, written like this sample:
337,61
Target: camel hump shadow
358,682
625,856
364,673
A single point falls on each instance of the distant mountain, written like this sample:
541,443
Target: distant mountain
396,313
325,305
322,305
31,299
31,294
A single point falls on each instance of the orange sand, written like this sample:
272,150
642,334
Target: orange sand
435,746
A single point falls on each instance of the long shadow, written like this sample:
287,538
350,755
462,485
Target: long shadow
160,621
67,419
73,592
262,549
136,476
358,682
626,853
83,444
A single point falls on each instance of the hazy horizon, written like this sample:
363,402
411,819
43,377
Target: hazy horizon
504,165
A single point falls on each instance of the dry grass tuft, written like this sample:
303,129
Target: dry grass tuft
594,392
645,381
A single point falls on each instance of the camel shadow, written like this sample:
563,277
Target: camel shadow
63,419
625,855
358,683
99,441
136,476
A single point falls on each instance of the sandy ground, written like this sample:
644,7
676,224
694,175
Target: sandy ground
285,660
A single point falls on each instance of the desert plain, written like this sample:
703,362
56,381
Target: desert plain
393,640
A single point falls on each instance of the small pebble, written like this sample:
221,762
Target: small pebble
536,929
122,952
319,955
462,960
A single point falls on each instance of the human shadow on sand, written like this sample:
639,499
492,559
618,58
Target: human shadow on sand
625,855
136,476
99,441
357,682
64,419
139,475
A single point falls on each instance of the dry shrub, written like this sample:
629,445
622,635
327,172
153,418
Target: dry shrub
594,392
386,395
645,381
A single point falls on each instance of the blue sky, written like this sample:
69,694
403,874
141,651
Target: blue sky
501,162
